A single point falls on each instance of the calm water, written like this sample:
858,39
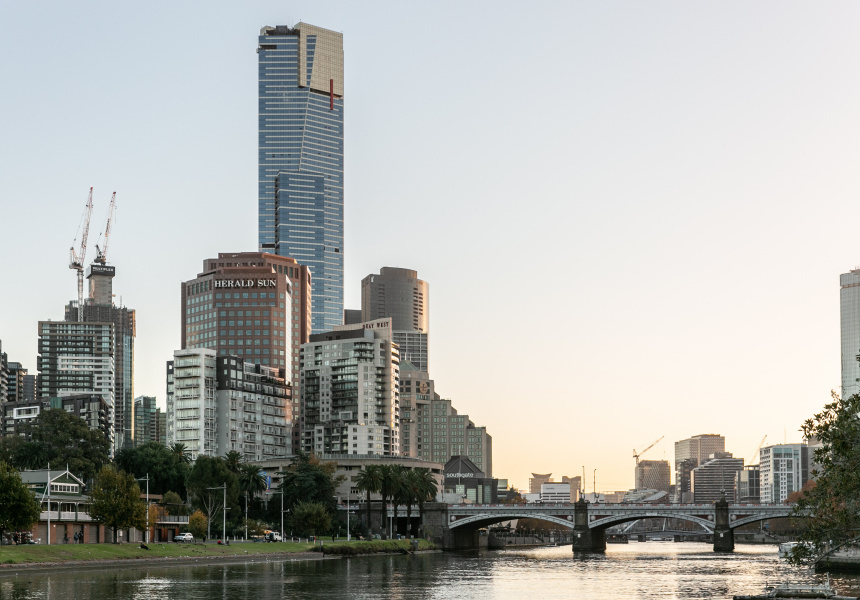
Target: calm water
635,570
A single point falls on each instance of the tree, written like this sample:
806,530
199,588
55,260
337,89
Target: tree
233,460
308,479
181,452
251,483
392,482
833,503
212,472
174,504
311,517
369,480
116,501
19,508
197,524
166,470
427,490
61,438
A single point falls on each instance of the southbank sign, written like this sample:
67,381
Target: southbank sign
244,283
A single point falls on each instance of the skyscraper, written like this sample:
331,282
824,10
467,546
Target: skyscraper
849,329
300,157
399,294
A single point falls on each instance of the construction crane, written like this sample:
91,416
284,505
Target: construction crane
76,259
101,254
757,450
637,455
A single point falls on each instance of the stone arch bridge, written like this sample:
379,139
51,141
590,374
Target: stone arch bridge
455,526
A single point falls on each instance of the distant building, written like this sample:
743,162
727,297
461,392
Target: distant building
784,469
716,477
92,408
352,316
399,294
646,496
575,486
4,375
747,485
653,474
698,448
16,388
537,480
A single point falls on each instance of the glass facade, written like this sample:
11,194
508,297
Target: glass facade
301,158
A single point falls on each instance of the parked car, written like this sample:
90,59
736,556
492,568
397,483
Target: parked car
274,536
184,537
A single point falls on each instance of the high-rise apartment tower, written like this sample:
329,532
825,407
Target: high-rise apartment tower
399,294
300,157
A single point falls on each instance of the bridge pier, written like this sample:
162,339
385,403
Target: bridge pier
586,539
724,536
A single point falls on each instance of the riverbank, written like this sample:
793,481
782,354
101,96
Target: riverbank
14,558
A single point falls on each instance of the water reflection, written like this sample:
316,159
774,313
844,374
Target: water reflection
636,570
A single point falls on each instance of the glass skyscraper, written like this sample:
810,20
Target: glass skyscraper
301,158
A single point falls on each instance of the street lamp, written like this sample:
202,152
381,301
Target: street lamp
348,538
224,521
146,535
594,485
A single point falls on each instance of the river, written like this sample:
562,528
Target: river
637,570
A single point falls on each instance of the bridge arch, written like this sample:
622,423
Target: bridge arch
479,521
609,521
755,518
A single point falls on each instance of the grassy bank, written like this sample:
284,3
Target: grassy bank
376,547
60,553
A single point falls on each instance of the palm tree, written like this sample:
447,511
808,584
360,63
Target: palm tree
427,490
396,483
180,453
369,480
409,494
234,461
251,482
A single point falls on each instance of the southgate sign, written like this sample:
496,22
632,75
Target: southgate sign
244,283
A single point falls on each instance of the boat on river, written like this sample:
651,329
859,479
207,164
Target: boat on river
798,591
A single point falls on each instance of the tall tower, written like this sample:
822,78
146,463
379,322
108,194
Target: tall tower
300,157
849,331
399,294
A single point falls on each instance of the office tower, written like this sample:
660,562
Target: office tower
77,358
253,305
698,448
575,486
653,475
784,469
683,478
715,477
99,307
537,480
300,157
218,404
849,328
350,397
352,316
399,294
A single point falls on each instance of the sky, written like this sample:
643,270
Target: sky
632,216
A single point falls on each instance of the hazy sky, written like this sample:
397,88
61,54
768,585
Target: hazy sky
632,216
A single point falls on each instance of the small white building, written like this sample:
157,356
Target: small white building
555,493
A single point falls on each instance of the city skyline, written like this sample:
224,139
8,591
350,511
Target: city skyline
673,210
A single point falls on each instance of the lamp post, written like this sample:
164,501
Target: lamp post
348,538
224,519
49,504
594,485
146,535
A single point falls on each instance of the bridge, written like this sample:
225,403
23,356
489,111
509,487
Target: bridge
455,526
